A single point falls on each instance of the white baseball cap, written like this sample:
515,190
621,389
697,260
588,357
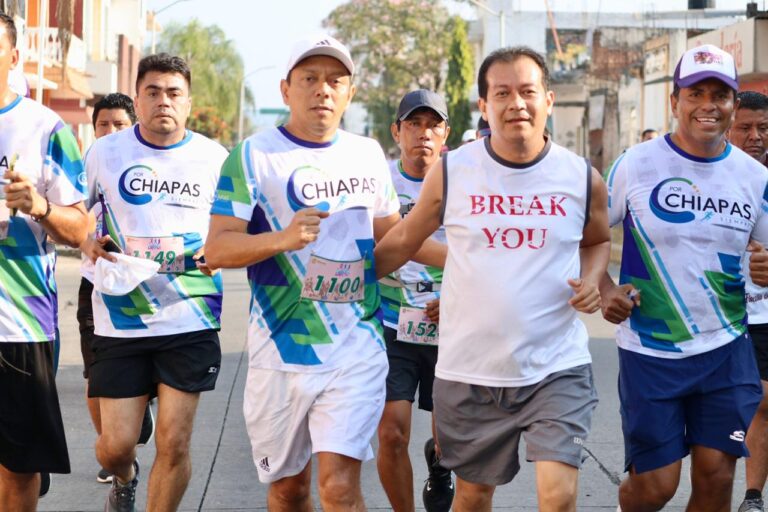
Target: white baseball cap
320,44
706,61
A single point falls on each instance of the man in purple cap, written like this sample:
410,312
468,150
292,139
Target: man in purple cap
691,205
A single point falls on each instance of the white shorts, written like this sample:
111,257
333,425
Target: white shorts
289,416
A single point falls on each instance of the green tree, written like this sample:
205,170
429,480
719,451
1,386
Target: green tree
217,72
397,46
461,70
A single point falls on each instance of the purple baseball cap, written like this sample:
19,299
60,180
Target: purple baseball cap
706,61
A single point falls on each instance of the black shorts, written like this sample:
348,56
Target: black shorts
130,367
411,366
85,322
31,431
759,335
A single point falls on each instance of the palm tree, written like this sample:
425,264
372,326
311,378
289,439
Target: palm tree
65,14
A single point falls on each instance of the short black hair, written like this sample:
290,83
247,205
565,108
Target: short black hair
163,63
510,55
10,28
649,130
114,101
752,100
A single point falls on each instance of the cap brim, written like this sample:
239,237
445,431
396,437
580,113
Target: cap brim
404,116
695,78
328,51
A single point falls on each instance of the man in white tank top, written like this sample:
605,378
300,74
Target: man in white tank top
749,132
528,241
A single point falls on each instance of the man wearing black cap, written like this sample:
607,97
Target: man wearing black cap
691,205
410,299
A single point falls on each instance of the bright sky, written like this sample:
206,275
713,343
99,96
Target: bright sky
264,31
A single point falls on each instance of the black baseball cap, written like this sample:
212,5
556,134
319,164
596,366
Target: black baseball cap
422,98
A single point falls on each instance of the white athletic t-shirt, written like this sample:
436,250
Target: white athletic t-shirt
513,242
687,221
161,197
392,298
265,180
49,155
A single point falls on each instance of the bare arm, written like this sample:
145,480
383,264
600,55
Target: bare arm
595,250
406,240
230,246
65,224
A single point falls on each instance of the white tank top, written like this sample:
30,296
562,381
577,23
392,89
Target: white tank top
513,242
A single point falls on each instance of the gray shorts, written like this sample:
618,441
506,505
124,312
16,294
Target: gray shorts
479,427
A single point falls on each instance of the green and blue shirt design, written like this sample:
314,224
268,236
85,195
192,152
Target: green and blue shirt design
687,222
414,276
265,181
49,155
151,191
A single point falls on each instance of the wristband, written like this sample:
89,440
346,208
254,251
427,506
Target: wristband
46,214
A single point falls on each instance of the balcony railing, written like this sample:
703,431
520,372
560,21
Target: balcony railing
52,54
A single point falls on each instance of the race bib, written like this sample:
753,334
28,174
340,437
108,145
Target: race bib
168,251
334,281
414,326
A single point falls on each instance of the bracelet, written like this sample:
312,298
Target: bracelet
46,214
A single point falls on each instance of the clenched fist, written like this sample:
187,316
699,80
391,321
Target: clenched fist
303,229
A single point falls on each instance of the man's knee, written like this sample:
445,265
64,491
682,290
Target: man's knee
339,489
558,496
713,478
654,493
291,490
172,444
115,450
393,436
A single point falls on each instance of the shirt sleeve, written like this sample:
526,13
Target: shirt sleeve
235,194
65,175
617,190
387,202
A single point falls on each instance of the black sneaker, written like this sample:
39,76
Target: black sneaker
147,427
45,484
438,488
104,476
122,498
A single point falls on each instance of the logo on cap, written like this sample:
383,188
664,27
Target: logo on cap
707,58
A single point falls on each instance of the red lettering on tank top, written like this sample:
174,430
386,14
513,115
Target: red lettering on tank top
477,205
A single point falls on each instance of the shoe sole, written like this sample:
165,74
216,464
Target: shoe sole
107,480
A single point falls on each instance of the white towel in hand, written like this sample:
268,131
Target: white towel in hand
121,277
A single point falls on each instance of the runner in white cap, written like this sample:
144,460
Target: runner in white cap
300,205
689,203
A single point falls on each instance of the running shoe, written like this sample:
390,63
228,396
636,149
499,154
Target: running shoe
122,498
147,427
751,505
104,476
438,488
